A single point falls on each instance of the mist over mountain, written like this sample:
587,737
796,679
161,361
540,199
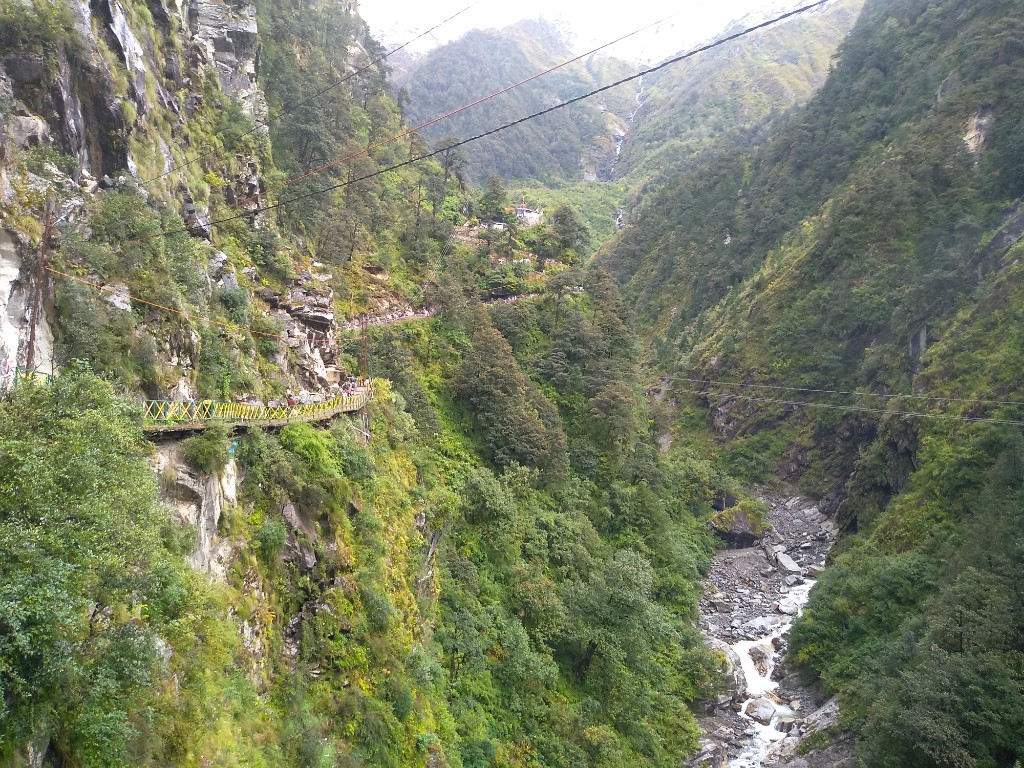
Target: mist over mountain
639,129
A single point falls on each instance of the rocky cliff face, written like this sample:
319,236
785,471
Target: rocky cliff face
225,35
16,308
122,98
70,102
199,499
131,66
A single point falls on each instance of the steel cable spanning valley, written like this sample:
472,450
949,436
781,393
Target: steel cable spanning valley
724,389
365,152
170,416
448,147
463,108
290,108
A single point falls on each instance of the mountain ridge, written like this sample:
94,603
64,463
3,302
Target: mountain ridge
817,292
497,562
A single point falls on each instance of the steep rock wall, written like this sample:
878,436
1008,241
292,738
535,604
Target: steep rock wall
228,35
15,310
198,499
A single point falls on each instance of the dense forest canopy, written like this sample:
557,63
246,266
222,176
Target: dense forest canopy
867,246
807,277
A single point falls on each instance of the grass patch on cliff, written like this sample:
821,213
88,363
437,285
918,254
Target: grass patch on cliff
37,159
40,27
208,451
817,740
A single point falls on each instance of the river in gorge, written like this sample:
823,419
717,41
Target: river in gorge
752,596
771,717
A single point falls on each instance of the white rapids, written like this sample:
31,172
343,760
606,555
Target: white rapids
760,686
752,596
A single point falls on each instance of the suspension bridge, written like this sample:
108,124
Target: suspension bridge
197,415
182,416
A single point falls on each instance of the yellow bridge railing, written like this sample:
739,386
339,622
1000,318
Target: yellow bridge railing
177,415
34,376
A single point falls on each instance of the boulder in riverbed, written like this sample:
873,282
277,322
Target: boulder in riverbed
735,682
785,724
712,755
738,528
761,710
789,606
762,624
761,655
787,564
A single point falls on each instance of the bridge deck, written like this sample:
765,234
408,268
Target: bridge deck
179,416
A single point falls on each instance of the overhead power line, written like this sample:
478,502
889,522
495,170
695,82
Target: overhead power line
923,398
292,107
491,132
470,105
836,406
852,393
849,392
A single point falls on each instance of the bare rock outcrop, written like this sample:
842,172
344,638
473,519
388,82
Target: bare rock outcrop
835,754
227,31
15,310
198,498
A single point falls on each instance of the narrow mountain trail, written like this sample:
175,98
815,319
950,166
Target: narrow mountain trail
752,596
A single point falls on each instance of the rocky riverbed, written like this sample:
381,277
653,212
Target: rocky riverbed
751,597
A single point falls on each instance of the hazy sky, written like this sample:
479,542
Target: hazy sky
397,21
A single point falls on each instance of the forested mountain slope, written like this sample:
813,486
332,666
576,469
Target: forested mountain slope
498,562
572,143
495,568
728,94
712,227
867,246
639,130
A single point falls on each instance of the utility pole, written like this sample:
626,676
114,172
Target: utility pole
44,245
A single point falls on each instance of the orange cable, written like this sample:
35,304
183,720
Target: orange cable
168,309
668,62
463,108
439,118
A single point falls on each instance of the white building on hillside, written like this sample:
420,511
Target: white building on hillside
527,216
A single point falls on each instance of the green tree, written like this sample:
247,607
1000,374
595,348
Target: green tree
493,202
453,163
612,409
573,235
86,581
516,423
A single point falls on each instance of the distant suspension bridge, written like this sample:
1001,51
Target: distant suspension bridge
194,415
